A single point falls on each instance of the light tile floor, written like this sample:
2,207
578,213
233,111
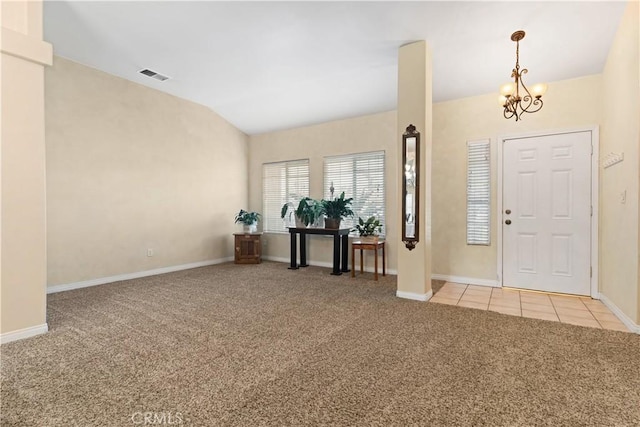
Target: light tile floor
582,311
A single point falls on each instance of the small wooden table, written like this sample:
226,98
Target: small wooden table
374,246
248,248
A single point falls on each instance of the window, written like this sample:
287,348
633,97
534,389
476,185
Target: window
360,176
282,182
478,193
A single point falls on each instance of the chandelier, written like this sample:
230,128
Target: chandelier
515,98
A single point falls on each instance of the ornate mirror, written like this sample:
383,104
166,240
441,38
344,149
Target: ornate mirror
410,186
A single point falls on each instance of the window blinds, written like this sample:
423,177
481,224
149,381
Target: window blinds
478,193
282,182
360,176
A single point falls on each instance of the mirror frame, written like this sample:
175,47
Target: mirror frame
410,241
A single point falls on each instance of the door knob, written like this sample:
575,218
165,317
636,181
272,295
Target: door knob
508,222
508,211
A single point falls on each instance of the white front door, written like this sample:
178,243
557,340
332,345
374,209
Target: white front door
546,215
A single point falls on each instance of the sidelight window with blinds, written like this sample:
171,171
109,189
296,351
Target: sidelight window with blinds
282,182
361,176
478,192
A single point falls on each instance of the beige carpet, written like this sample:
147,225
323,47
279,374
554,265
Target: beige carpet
263,345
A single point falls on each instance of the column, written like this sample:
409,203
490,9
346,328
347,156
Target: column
415,107
23,263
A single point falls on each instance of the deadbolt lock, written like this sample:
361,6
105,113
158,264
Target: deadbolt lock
508,211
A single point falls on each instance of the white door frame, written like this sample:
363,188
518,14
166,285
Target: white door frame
595,180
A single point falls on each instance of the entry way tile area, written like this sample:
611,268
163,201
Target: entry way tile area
581,311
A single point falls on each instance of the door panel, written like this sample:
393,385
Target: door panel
547,188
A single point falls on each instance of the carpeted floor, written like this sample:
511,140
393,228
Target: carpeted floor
234,345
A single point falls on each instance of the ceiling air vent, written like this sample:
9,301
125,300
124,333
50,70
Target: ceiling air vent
147,72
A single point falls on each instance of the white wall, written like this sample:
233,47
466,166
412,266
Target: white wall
619,238
130,168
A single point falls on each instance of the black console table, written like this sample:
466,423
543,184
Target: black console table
339,235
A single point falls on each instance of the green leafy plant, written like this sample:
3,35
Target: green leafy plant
337,208
308,210
370,227
247,218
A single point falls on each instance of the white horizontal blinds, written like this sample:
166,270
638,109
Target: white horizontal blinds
282,182
478,193
360,176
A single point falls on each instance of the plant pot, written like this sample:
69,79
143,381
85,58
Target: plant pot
251,228
299,223
369,239
332,223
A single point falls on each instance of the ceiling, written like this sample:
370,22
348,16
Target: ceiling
267,66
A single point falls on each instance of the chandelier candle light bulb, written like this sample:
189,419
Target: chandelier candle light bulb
515,98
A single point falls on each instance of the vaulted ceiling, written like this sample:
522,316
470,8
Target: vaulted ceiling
267,66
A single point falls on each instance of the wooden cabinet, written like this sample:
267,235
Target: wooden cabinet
248,248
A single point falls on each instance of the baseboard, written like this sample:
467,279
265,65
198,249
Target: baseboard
136,275
466,280
414,296
368,269
21,334
633,327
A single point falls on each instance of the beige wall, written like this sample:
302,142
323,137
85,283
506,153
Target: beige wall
619,240
23,246
361,134
130,168
568,104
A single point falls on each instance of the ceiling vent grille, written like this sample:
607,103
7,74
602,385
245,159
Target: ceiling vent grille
149,73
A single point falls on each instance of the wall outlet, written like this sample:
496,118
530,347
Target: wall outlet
623,197
150,252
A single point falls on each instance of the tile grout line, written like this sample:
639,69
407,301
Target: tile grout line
555,310
463,292
520,304
594,316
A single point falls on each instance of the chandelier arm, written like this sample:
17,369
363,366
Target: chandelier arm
528,100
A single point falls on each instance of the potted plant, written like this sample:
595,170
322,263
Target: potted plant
369,229
307,212
335,209
249,220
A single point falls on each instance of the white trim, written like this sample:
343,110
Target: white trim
136,275
595,204
414,296
466,280
26,47
633,327
595,185
287,261
21,334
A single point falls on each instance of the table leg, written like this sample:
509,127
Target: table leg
384,271
345,253
303,250
361,261
353,261
375,253
294,255
336,256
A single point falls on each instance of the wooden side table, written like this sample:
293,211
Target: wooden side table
248,248
374,246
